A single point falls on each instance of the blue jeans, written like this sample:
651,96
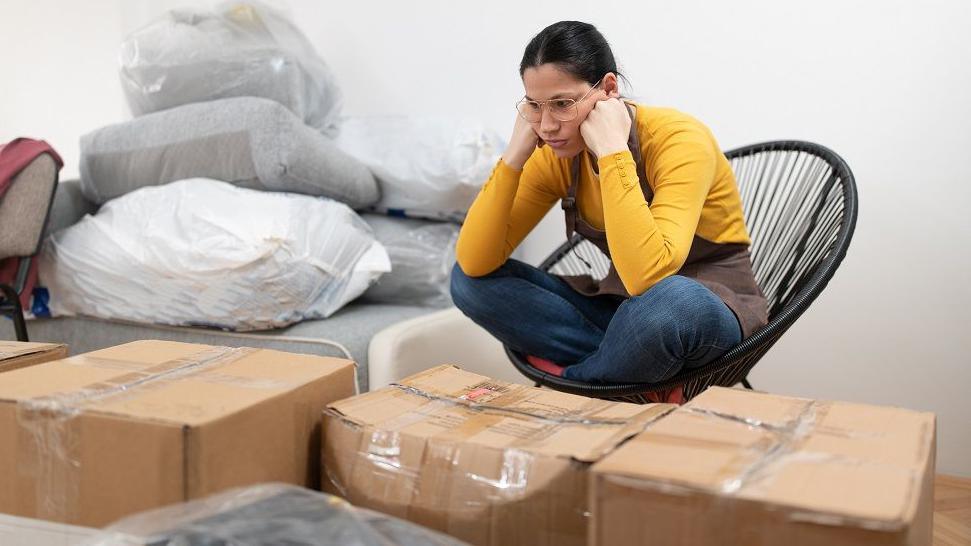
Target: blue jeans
643,339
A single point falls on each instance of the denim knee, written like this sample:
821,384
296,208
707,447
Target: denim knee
459,285
466,291
698,314
681,295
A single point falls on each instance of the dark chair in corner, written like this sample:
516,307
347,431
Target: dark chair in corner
24,209
800,204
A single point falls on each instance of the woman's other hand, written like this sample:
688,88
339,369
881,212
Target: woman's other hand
522,144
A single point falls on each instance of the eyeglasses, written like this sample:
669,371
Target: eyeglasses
560,109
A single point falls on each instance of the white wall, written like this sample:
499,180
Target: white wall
884,84
58,76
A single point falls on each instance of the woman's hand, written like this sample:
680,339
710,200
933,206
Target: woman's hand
523,142
607,127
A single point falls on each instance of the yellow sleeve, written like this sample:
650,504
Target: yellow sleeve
648,244
508,207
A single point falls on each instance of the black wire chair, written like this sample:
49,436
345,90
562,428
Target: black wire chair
800,206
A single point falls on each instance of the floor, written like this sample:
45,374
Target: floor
952,511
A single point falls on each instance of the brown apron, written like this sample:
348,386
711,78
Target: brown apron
725,269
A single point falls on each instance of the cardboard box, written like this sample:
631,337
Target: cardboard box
737,467
95,437
17,354
485,461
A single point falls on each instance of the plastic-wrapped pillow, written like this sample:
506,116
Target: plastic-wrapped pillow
264,514
205,253
422,254
251,142
427,167
240,49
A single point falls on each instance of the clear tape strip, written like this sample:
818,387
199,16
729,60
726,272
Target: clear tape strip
784,437
483,407
513,474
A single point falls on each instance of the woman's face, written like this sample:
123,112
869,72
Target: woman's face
547,81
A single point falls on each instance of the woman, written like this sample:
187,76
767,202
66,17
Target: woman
647,185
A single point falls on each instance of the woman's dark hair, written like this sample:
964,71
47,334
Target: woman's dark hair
575,47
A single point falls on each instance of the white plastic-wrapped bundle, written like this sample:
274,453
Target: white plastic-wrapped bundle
422,255
203,252
426,166
240,49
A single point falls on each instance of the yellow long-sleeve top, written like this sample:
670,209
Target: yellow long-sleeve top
694,194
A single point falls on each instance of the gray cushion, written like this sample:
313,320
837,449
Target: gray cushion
346,334
251,142
70,205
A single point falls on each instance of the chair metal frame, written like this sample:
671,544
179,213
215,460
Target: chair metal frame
10,293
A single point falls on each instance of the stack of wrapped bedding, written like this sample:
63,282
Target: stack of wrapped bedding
240,197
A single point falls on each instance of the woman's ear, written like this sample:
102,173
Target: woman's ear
611,86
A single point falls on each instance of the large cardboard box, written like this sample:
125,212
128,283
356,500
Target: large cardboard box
482,460
737,467
95,437
17,354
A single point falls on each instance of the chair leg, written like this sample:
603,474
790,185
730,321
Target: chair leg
746,384
17,313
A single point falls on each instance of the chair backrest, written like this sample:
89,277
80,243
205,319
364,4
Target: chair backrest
799,201
800,208
24,208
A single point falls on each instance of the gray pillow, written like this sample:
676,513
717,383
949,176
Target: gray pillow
251,142
422,253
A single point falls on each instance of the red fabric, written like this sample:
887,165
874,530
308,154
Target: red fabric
17,154
14,157
670,396
545,365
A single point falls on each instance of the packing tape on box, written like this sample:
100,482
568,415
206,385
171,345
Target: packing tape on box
50,449
476,399
784,437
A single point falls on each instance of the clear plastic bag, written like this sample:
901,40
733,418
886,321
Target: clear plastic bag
205,253
426,166
240,49
422,254
267,514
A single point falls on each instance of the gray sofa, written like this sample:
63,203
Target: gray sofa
345,334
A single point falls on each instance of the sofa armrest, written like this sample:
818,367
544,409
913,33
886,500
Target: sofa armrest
443,337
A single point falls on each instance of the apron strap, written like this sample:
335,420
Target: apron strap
569,203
